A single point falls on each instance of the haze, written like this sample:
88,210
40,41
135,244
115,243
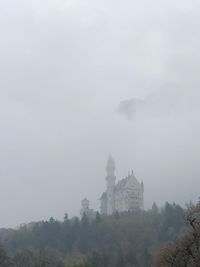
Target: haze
80,80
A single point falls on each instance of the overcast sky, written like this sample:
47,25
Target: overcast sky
82,79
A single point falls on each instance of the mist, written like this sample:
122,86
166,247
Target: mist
82,80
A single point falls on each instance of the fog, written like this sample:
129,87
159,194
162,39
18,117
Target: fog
80,80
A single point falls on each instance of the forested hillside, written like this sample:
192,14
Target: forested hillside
128,239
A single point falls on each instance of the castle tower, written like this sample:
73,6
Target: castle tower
85,206
85,210
110,180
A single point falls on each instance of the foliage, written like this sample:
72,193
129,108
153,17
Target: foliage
4,259
185,250
127,239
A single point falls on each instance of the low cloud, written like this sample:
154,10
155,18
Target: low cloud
163,102
130,106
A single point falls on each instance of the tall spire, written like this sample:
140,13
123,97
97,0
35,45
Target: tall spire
110,180
110,167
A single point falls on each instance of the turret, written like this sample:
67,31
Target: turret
85,206
86,210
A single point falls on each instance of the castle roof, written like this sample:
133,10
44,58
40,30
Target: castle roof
121,184
130,180
103,196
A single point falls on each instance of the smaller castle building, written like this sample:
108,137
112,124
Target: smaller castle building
90,213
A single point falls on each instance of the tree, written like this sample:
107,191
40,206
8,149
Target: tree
4,259
155,207
25,259
98,218
128,239
185,251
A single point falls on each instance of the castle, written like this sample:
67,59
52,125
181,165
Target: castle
126,195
